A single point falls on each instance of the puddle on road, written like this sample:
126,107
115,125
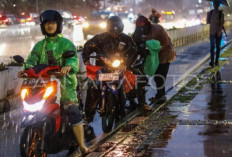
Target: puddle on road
216,104
195,140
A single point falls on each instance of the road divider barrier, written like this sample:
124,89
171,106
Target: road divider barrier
193,34
10,88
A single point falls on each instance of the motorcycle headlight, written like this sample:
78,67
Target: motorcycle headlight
102,25
86,24
24,92
48,92
116,63
33,107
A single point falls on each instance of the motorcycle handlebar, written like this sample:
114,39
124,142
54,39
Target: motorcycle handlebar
58,73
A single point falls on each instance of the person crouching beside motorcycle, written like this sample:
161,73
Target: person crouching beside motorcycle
107,44
51,27
167,54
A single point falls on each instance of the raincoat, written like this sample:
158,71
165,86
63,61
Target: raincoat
58,45
167,53
107,45
152,60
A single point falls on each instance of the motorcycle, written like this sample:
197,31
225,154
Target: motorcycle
108,78
47,130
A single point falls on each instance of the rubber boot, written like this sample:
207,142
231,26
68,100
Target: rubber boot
78,131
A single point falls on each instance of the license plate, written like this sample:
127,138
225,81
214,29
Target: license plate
34,82
108,77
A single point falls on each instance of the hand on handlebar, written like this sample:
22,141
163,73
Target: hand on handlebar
106,61
20,74
65,70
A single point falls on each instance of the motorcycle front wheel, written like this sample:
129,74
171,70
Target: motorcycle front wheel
30,143
109,113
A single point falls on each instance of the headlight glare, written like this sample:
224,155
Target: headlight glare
86,24
48,92
102,25
24,92
116,63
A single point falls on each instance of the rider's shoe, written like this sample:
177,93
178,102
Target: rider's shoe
147,107
84,151
73,151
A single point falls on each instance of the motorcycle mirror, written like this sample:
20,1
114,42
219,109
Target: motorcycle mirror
68,54
18,59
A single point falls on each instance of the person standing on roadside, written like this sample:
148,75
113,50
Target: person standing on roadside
215,18
167,54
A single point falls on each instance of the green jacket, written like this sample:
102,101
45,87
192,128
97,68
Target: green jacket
58,45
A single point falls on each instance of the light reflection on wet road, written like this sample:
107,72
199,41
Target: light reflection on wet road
199,133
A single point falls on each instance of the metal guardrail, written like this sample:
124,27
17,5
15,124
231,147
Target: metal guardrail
193,34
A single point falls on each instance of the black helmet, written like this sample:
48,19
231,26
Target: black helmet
51,15
115,25
144,23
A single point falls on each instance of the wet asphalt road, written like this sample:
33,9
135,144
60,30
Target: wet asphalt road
10,130
203,126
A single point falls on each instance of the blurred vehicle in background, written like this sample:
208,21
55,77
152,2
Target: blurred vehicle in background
8,19
29,18
96,23
67,18
78,19
127,17
128,20
167,16
172,20
35,17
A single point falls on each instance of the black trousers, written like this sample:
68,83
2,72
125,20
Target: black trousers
160,79
215,40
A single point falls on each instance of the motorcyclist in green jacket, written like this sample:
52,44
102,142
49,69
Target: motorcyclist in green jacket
51,27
